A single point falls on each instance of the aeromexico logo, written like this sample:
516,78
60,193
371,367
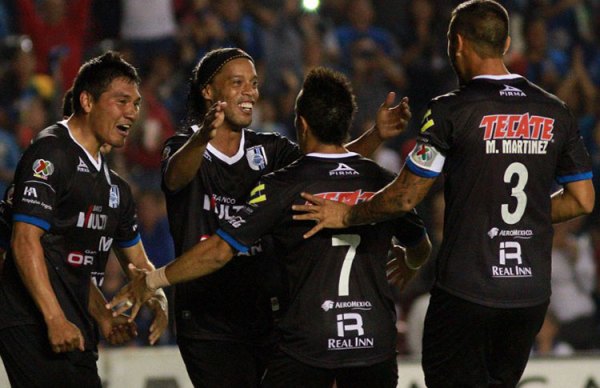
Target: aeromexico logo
92,219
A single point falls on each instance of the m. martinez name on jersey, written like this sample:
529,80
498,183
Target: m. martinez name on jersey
516,133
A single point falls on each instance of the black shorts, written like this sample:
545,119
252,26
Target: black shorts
30,362
469,345
218,364
284,371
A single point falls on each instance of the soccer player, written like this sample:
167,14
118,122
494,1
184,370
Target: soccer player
340,324
68,209
501,143
224,321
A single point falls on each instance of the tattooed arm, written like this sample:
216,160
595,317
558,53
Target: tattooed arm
397,198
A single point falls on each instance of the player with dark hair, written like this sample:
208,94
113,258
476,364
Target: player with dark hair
501,143
340,324
224,321
68,209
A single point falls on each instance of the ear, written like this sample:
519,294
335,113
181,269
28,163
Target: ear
86,101
207,93
460,43
303,125
506,45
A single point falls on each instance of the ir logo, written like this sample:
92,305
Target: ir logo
349,322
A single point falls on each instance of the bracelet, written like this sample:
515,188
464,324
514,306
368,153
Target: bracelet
157,279
410,266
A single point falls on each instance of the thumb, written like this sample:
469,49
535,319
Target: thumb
81,342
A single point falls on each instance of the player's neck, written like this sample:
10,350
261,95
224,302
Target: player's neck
84,135
488,66
320,148
227,141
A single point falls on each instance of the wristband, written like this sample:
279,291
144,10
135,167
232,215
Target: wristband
410,266
157,279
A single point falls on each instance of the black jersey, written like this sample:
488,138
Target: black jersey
501,143
341,312
6,218
83,208
229,304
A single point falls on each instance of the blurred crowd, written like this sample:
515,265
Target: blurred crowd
382,45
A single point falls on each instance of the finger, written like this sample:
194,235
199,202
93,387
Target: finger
134,311
389,100
120,304
313,231
312,198
80,342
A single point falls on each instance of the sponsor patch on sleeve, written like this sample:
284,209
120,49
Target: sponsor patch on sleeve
258,195
42,169
425,160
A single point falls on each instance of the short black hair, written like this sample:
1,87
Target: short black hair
204,72
67,103
483,22
95,76
328,104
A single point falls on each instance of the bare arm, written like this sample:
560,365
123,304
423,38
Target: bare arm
202,259
184,163
157,302
576,199
397,198
63,335
391,121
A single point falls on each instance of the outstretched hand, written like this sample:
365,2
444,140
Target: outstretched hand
391,119
327,213
133,295
212,120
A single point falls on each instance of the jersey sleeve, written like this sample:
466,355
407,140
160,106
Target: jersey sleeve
171,146
409,229
428,156
42,176
257,217
574,163
287,152
127,234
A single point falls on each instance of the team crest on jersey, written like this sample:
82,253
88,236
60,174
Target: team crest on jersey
258,195
114,197
42,169
257,159
424,153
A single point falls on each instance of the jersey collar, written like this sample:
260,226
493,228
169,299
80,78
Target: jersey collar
333,156
227,159
499,77
97,163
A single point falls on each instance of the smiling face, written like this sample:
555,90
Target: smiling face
237,85
114,112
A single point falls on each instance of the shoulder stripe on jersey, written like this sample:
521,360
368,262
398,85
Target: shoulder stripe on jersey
231,241
420,171
574,178
43,224
130,243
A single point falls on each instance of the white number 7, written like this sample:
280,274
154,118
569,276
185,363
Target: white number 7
351,240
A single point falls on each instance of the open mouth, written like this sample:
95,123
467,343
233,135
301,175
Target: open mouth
123,129
246,107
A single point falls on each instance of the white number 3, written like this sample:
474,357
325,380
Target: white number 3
509,217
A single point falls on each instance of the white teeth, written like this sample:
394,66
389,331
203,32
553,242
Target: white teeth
246,105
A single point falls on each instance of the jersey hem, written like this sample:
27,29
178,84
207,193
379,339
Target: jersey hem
494,304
